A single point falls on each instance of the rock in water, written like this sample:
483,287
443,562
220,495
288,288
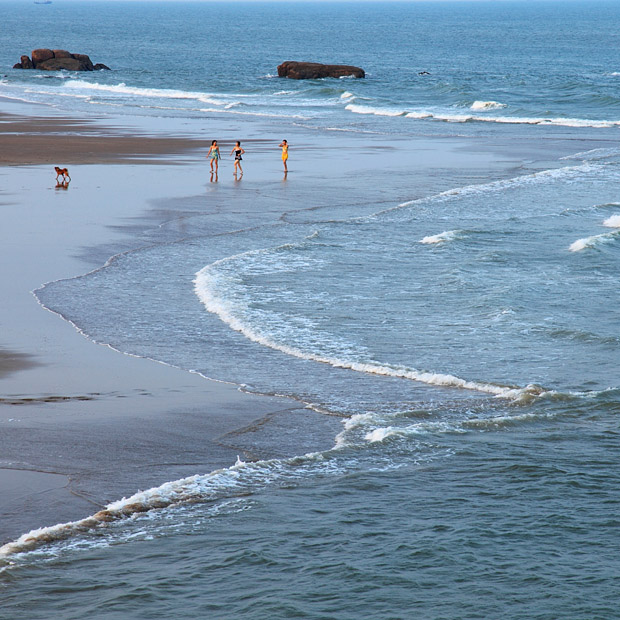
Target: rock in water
85,60
58,64
314,70
62,54
25,63
57,60
41,55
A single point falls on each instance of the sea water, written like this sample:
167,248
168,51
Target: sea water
468,338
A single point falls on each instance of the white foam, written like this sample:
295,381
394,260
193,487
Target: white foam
212,287
452,117
419,115
227,110
347,95
612,222
160,93
594,154
592,242
240,479
364,109
566,172
379,434
448,235
487,105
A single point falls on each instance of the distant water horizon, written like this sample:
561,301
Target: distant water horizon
467,338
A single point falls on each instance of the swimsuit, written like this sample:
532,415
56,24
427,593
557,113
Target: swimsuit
215,154
237,154
285,153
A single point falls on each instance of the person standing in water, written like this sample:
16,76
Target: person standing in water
238,151
284,145
214,155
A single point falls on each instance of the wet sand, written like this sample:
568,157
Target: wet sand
82,425
64,141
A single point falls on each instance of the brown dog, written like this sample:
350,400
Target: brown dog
62,172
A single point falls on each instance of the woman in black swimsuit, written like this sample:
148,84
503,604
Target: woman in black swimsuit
238,151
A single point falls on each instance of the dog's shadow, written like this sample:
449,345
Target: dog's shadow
62,184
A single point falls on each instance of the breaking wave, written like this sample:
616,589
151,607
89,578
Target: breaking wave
212,286
612,222
593,241
449,235
456,117
487,105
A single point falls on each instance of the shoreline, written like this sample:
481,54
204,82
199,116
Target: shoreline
109,424
84,425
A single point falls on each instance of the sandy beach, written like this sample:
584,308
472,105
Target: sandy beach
83,425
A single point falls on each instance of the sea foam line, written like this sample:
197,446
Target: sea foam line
240,479
483,105
161,93
501,185
211,285
593,241
448,235
487,105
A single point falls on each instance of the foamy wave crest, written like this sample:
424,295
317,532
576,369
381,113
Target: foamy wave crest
419,115
212,286
227,110
567,173
240,479
487,105
379,435
364,109
448,235
347,95
160,93
594,154
612,222
451,117
592,242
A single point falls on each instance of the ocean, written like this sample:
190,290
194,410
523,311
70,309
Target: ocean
463,332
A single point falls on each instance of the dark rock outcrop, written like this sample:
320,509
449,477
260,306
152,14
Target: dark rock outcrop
86,61
62,54
58,64
314,70
25,63
41,55
56,60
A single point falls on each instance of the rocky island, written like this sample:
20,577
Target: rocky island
57,60
314,70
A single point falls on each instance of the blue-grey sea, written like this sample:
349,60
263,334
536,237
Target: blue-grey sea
468,338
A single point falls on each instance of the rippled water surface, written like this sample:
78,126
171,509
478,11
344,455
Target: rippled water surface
466,339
